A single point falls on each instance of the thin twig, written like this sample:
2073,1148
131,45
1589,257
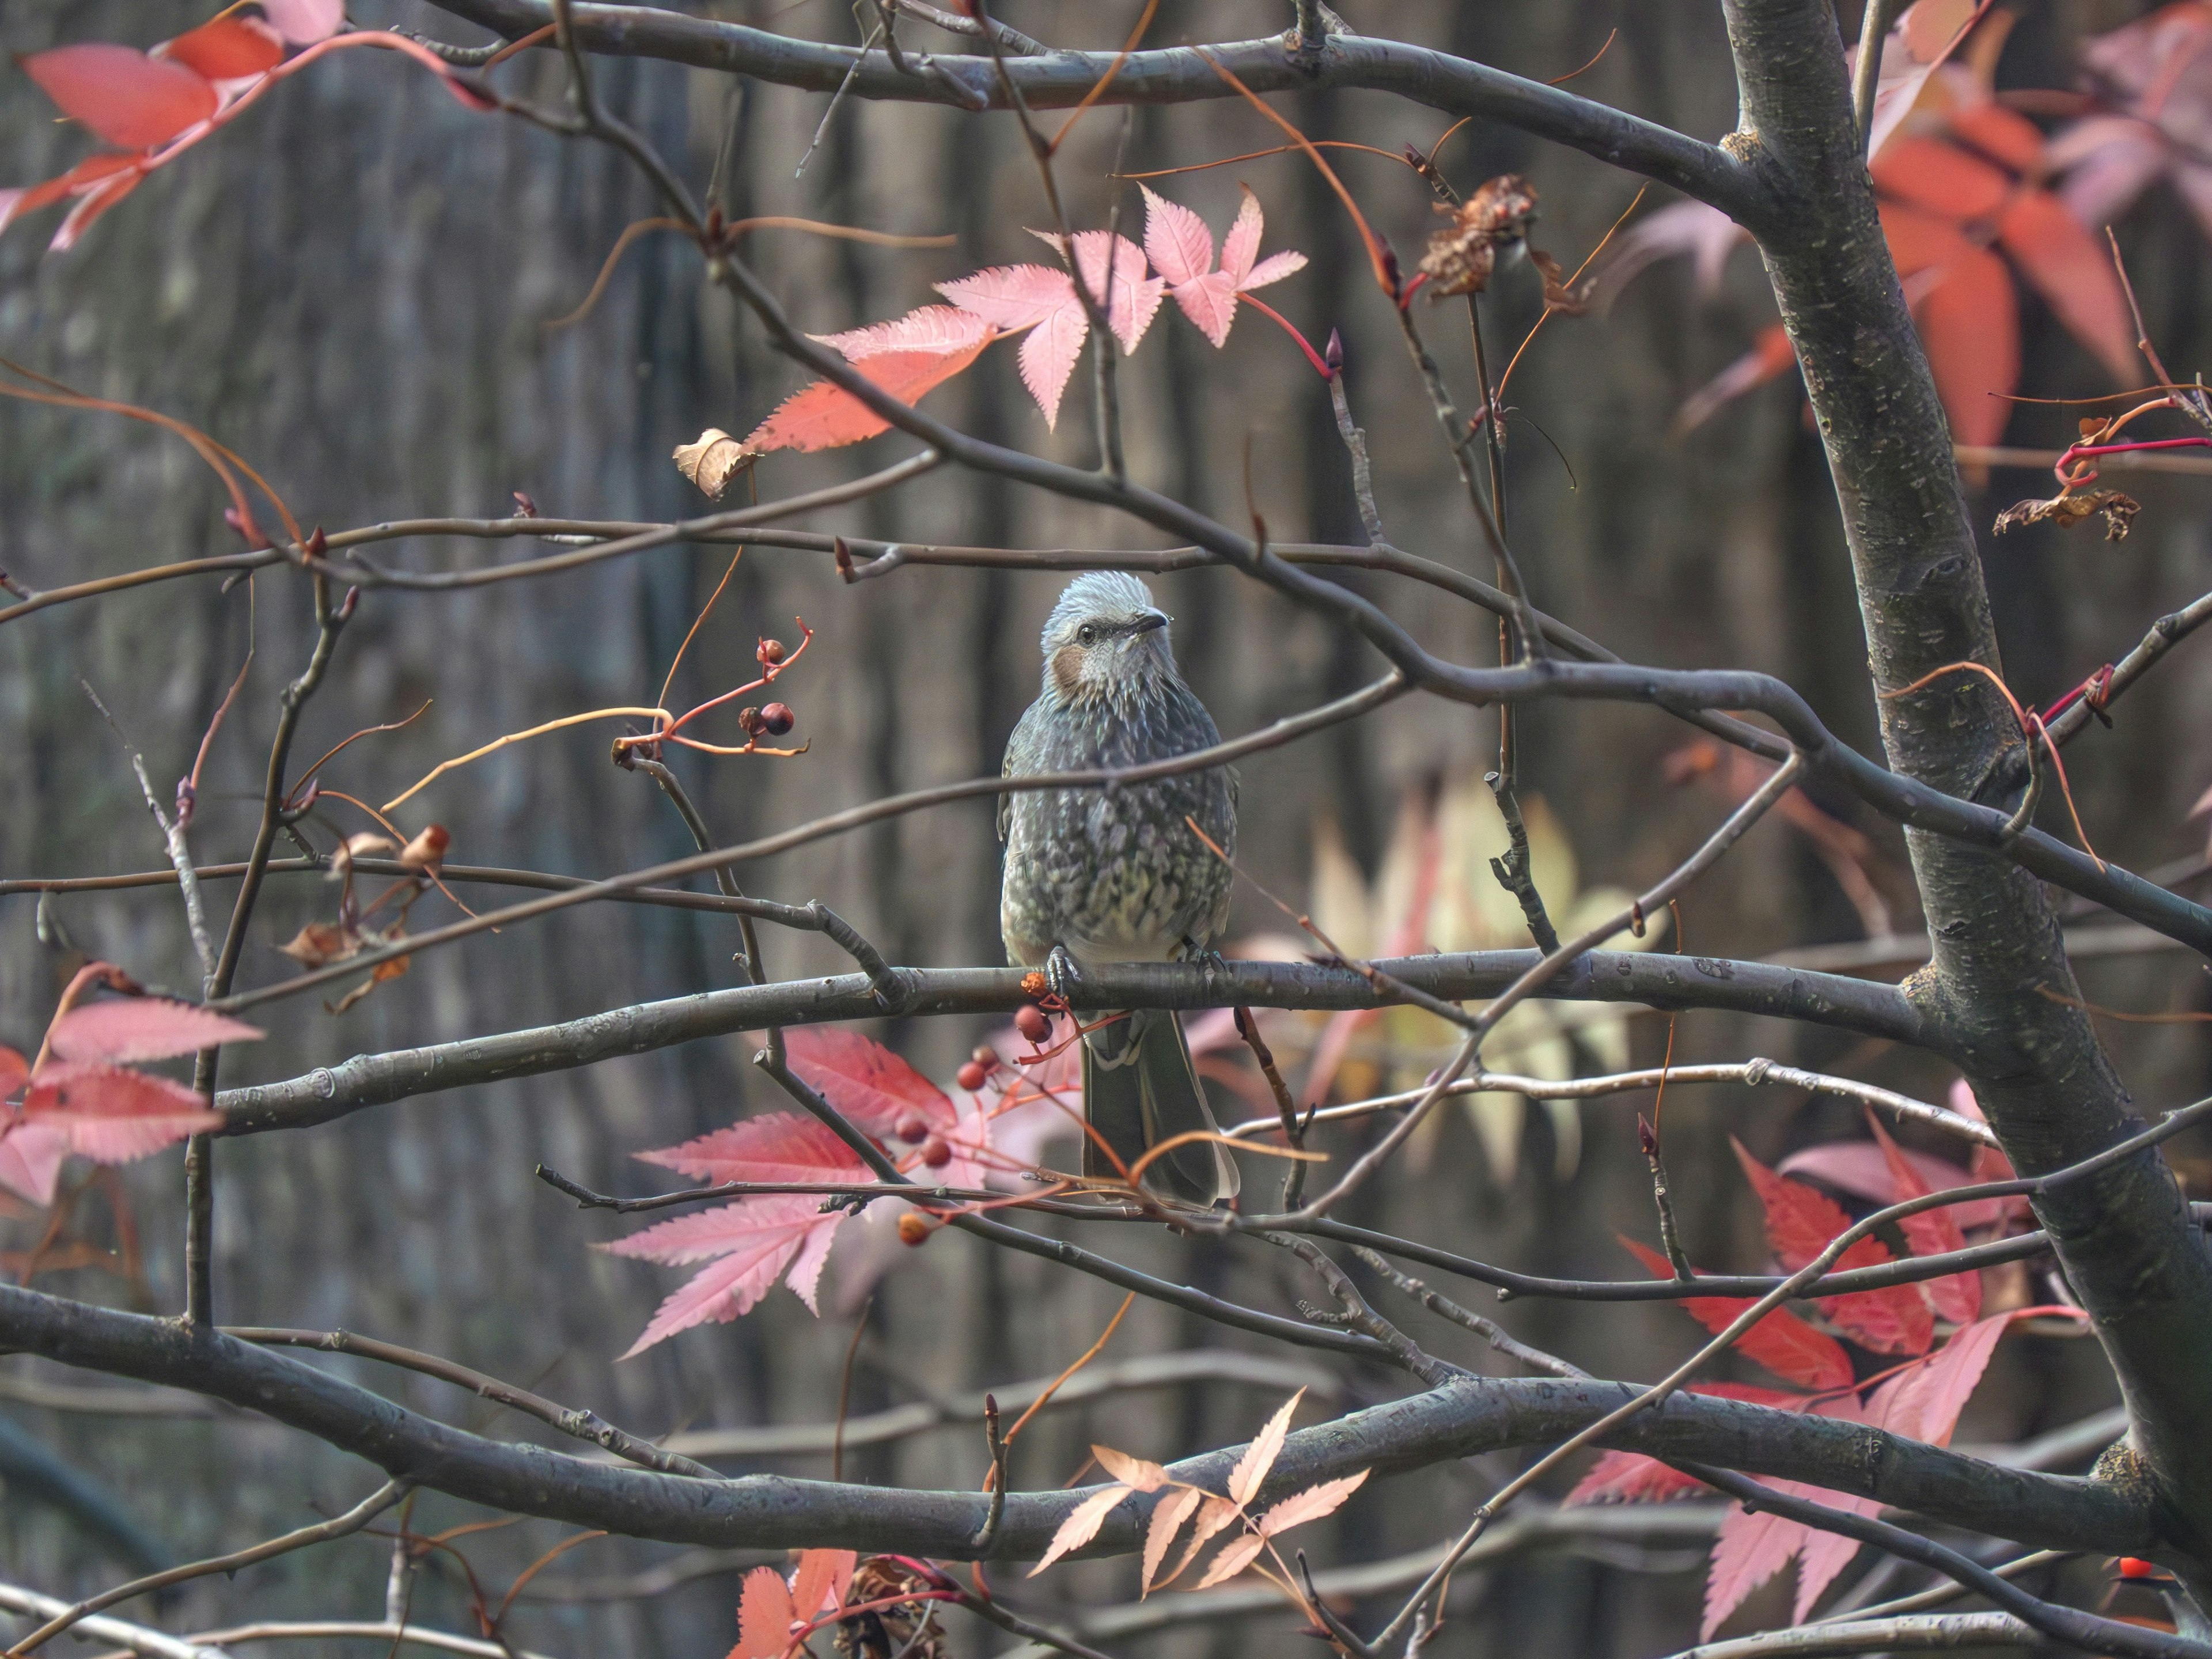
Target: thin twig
1515,872
995,1482
845,1388
172,837
1866,74
1489,1330
1294,1131
672,787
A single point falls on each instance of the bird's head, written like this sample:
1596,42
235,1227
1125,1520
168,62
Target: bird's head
1105,638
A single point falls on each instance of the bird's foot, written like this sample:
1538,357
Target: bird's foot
1061,974
1202,955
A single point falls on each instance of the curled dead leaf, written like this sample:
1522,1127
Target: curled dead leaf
363,846
1462,255
2069,507
322,943
428,850
713,460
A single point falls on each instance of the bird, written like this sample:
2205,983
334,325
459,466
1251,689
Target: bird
1099,876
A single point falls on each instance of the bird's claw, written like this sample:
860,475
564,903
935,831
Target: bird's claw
1061,974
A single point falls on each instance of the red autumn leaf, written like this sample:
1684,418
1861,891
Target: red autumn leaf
1621,1477
1940,178
1753,1546
133,1029
127,98
1858,1167
303,22
1781,1342
113,1115
750,1241
1042,299
85,177
1920,40
1957,1296
775,1146
823,415
2073,272
1800,1223
764,1616
820,1582
865,1081
2003,135
926,328
229,48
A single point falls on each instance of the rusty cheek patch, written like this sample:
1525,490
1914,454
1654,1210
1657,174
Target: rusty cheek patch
1067,669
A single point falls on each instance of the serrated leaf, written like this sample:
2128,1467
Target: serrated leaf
1135,1473
2073,272
1925,1403
1620,1477
756,1240
1082,1525
1800,1224
31,1160
134,1028
1168,1516
1781,1342
1251,1471
1177,240
764,1616
1956,1297
133,101
1235,1555
1213,1515
824,415
821,1580
1042,299
113,1115
773,1146
926,328
1241,246
865,1081
1310,1504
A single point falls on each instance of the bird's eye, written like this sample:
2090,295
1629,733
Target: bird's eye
1086,635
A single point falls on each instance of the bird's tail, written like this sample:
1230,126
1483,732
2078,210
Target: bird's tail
1139,1089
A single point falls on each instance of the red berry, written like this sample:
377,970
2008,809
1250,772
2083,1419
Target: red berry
971,1077
769,653
1032,1022
935,1153
777,719
913,1230
912,1128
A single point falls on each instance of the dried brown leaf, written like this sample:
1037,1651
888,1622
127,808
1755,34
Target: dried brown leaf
2069,508
1212,1516
1462,255
1135,1472
1251,1470
322,943
1168,1516
713,460
428,850
1310,1504
1235,1555
1082,1525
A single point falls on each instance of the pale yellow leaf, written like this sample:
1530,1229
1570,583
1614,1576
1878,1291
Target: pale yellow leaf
1168,1516
1244,1480
1130,1471
1310,1504
1212,1516
1082,1525
1235,1555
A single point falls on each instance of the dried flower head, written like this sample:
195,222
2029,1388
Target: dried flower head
2069,507
712,461
1462,255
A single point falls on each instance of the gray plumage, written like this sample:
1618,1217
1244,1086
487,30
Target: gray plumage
1116,875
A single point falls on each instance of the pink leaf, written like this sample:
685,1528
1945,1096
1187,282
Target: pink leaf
1800,1223
1310,1504
94,203
1177,240
1859,1168
1272,268
1042,298
764,1616
1049,356
112,1115
131,99
1924,1403
1137,1473
1781,1342
774,1146
1168,1516
1241,245
865,1081
1705,233
824,415
1131,298
927,328
229,48
31,1160
1620,1477
755,1238
142,1028
303,22
1210,301
1236,1554
1082,1525
1251,1470
1749,1549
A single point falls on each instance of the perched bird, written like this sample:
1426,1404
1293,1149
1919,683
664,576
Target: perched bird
1116,875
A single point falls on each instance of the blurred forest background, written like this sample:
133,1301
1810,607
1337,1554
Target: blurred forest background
352,290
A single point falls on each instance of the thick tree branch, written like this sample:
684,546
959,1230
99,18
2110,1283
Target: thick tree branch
1460,1419
1058,80
328,1093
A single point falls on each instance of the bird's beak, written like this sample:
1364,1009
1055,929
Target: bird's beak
1148,622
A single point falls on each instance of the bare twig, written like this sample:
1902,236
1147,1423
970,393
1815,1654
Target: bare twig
173,837
1489,1330
1516,872
672,787
1357,1315
1866,74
